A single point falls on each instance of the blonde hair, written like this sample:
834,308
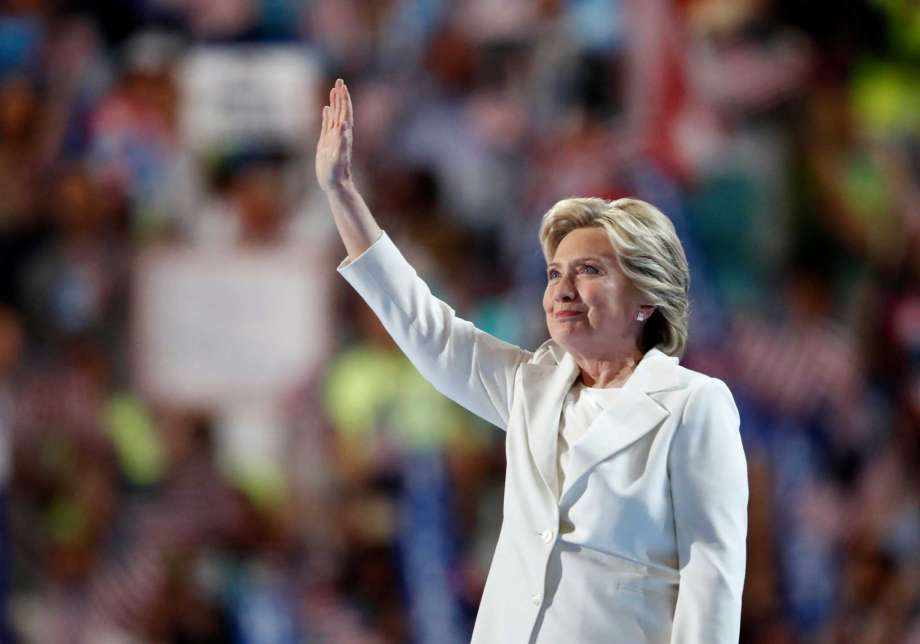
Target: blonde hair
648,252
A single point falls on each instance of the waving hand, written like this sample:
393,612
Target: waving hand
333,152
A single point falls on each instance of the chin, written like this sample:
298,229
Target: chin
565,337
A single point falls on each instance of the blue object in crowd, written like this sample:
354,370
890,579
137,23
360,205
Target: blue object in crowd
20,40
426,540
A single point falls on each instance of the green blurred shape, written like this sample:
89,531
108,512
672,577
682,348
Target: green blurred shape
903,24
140,454
886,98
865,188
261,483
67,522
370,390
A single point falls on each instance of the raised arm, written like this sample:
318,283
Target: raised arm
353,218
467,365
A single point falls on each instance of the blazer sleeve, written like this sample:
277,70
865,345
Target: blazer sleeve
709,488
467,365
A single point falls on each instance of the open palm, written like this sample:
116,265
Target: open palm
333,151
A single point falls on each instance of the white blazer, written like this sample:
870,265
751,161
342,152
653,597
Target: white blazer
646,543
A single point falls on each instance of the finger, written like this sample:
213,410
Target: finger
325,127
332,106
342,100
337,106
342,105
349,110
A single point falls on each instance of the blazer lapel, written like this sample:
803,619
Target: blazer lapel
545,388
632,414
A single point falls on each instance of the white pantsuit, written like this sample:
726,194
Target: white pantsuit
646,542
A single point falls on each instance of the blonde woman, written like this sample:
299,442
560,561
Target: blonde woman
625,510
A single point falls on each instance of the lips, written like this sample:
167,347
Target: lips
561,315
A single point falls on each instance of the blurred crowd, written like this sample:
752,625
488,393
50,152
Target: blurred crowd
356,505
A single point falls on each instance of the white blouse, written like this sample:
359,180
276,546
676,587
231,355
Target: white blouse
582,406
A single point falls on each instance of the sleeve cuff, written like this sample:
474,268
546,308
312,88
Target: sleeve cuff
382,240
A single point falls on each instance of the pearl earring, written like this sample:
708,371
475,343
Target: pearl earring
641,316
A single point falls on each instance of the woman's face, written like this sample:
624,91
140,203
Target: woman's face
590,305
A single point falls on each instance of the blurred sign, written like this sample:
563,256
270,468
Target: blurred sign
215,327
244,94
427,553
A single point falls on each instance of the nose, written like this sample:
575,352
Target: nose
565,288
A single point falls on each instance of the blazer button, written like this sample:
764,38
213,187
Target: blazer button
537,598
547,536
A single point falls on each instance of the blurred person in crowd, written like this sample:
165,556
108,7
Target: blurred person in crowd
20,120
251,204
65,498
626,486
75,284
133,146
250,207
22,231
863,187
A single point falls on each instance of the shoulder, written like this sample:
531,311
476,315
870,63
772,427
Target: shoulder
698,383
687,394
706,400
706,438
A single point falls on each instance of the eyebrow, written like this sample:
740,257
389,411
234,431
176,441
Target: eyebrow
579,260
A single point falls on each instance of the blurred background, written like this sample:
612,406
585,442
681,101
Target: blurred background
204,437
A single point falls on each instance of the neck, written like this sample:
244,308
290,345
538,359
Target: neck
609,371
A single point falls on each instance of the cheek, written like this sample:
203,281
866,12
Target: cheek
547,301
606,301
598,296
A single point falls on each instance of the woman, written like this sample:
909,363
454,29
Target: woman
626,485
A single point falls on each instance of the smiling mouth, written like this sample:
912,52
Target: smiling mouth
562,315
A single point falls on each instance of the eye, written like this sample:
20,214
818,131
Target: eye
552,274
588,268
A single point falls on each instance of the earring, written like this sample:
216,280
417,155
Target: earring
640,316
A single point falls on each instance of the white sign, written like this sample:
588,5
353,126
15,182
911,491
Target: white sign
213,327
240,94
